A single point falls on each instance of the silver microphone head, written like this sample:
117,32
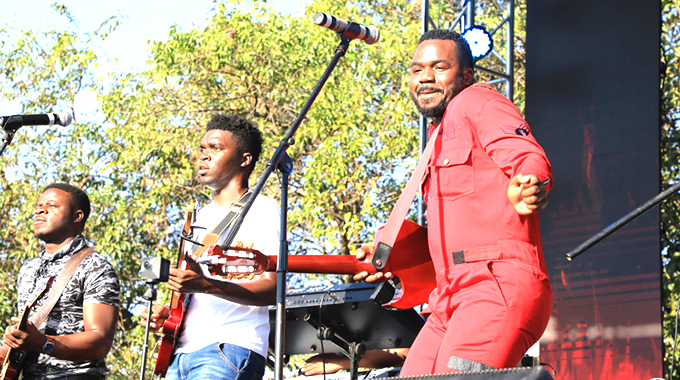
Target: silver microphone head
375,35
64,118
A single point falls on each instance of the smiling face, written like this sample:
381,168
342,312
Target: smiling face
221,161
437,77
55,217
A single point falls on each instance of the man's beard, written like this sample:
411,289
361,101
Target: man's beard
438,109
432,112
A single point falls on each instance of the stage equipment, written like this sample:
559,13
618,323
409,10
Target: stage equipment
351,30
623,221
479,40
530,373
10,124
17,121
349,316
154,271
525,373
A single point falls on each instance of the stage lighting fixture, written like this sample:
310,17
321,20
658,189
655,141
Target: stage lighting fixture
479,40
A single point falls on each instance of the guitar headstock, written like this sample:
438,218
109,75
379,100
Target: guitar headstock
236,262
189,218
44,291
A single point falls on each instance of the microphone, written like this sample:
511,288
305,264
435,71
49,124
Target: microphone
369,34
16,121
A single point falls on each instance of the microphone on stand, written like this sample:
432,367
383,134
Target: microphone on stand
369,34
17,121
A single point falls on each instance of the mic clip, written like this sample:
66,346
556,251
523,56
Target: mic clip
11,123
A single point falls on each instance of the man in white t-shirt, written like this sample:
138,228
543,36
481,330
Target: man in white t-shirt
226,328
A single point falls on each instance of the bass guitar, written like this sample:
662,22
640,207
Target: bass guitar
409,261
13,359
173,324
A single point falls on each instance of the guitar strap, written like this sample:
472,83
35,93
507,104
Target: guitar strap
398,214
209,239
223,225
62,279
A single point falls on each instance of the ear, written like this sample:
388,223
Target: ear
468,76
79,216
246,159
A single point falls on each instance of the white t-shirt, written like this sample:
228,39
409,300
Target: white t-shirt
211,319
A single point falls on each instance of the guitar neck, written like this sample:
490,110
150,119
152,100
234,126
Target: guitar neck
23,322
323,264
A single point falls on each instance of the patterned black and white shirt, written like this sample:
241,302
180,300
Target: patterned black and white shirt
94,281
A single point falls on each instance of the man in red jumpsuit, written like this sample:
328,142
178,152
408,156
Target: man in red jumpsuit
486,182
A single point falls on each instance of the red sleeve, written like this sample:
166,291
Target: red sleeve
507,139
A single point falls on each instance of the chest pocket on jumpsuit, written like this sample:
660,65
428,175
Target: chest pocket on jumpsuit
451,172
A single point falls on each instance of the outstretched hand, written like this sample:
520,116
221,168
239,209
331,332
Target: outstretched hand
364,276
527,194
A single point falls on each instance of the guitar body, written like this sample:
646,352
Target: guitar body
171,329
12,364
173,324
409,261
13,359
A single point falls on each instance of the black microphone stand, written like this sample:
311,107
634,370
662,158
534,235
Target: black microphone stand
623,221
285,167
10,126
273,163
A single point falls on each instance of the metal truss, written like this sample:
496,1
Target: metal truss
496,16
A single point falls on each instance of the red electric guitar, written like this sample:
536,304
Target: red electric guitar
409,261
13,359
173,324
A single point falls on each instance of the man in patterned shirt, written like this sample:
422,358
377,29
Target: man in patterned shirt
78,333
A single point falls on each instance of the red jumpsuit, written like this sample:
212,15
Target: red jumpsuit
492,301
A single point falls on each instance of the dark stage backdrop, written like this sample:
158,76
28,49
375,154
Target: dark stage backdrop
592,101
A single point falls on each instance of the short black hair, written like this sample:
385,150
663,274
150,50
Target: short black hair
246,136
80,199
464,52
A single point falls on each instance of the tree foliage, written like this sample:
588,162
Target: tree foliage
670,173
134,154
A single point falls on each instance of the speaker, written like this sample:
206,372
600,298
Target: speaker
526,373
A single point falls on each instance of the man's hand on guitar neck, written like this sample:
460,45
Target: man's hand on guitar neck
364,276
257,291
189,280
30,340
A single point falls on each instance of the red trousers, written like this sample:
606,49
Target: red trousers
487,316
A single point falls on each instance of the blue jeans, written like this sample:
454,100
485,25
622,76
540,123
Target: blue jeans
217,361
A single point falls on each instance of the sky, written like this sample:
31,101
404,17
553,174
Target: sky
142,21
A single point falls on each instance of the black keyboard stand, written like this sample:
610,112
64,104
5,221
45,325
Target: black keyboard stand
351,317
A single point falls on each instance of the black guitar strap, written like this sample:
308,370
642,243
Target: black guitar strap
223,225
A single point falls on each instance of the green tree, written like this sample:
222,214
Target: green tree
358,133
670,174
351,154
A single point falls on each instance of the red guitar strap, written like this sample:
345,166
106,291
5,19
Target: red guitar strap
398,214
